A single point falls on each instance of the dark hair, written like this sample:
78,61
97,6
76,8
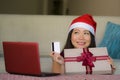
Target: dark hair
69,45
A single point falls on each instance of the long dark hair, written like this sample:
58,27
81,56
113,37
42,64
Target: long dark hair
69,45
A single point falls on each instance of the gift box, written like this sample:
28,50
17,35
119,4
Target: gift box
94,61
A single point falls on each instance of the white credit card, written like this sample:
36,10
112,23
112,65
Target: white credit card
56,47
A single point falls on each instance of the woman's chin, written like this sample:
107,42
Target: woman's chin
80,47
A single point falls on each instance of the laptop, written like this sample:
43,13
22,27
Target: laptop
23,58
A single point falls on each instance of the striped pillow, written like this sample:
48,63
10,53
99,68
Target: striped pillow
111,40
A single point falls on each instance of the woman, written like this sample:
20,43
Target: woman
81,35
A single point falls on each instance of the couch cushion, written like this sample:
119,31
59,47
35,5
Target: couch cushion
117,66
111,40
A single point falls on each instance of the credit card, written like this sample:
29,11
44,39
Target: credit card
56,47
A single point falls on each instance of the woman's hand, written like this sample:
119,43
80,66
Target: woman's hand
110,60
57,57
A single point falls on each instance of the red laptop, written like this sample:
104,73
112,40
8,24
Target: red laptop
23,58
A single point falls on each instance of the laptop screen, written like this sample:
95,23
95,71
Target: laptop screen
22,57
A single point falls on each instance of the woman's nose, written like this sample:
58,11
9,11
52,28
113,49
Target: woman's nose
81,36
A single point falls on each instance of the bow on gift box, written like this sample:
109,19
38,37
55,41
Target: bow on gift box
87,59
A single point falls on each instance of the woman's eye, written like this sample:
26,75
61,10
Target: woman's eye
76,32
86,33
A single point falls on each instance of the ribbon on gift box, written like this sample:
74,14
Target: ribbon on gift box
87,59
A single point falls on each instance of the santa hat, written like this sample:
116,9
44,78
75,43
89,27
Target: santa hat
85,21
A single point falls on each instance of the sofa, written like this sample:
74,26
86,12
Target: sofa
45,29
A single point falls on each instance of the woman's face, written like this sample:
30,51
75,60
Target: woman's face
80,38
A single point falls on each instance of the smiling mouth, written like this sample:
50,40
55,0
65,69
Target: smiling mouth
81,43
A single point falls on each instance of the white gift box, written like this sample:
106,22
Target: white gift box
101,65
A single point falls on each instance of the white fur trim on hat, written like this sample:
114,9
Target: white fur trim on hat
82,25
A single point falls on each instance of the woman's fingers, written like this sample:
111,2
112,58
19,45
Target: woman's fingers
112,65
57,57
60,59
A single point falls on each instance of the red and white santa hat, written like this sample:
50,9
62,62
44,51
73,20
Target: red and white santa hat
85,21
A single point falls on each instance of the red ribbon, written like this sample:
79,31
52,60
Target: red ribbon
79,59
87,59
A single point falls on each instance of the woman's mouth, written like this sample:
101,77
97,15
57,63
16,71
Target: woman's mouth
81,43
